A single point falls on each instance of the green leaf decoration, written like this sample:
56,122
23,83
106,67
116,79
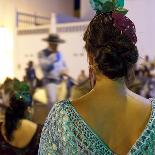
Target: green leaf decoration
119,3
121,11
24,96
24,86
16,84
107,6
20,86
22,91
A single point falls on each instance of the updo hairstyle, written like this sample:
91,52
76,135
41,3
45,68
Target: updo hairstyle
113,52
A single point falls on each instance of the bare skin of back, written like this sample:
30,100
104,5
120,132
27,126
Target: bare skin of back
116,114
23,135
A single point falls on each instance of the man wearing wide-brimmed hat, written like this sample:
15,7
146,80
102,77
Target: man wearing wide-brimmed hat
53,66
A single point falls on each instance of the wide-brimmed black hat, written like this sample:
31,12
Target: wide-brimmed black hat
54,39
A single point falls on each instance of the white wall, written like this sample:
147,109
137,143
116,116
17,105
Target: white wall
40,7
86,10
142,13
6,55
45,7
74,53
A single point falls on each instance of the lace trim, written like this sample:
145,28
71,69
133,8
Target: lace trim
146,141
144,138
87,136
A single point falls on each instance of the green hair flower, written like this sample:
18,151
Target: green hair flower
24,96
106,6
22,91
20,86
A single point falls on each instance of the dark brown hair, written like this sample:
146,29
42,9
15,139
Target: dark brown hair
114,53
19,101
14,113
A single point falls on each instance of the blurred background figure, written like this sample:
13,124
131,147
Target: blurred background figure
146,62
53,67
82,77
80,89
144,83
18,135
6,91
30,76
136,85
82,86
152,69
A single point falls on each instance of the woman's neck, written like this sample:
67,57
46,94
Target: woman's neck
113,92
106,87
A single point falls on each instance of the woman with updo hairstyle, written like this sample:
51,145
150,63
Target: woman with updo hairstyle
110,119
19,135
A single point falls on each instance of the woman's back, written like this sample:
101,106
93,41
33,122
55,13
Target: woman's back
66,131
117,120
25,139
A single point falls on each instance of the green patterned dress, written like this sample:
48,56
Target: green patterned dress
66,133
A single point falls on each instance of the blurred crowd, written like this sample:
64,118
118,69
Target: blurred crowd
142,84
145,78
69,84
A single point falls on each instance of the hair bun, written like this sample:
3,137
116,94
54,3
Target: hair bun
115,59
111,38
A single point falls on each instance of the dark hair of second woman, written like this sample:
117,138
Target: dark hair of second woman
113,52
14,113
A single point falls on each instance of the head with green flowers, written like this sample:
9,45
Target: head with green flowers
14,87
110,39
20,102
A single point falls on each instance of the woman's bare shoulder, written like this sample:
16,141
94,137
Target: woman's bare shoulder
138,98
28,126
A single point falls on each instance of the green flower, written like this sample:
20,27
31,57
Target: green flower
121,10
22,91
24,96
119,3
20,86
106,6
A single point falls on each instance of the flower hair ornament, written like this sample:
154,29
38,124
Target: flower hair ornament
22,91
120,21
